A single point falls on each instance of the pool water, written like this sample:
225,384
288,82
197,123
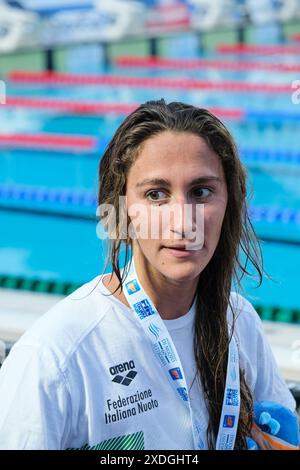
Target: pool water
54,238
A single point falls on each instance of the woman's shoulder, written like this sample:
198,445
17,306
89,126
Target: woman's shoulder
246,317
248,332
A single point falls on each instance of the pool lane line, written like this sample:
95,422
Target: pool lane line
49,213
99,108
67,79
259,49
202,64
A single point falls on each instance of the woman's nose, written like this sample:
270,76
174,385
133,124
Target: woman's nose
181,220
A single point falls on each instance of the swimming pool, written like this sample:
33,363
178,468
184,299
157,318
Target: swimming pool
48,195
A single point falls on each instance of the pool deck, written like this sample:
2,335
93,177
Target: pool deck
19,309
284,339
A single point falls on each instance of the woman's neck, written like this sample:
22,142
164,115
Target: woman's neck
172,299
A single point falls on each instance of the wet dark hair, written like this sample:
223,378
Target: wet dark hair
213,290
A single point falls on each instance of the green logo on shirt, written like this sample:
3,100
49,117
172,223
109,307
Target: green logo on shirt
133,441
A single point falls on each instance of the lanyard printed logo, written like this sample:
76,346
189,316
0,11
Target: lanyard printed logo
165,351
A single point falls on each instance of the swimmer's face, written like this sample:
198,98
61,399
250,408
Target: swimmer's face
177,160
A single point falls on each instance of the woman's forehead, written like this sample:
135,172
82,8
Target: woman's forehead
176,153
171,141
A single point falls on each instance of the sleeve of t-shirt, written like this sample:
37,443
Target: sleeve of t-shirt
262,373
270,384
34,401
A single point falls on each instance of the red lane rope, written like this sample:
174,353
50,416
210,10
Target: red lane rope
258,49
75,107
194,64
53,141
98,108
57,78
230,113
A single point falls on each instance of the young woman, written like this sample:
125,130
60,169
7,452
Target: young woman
160,353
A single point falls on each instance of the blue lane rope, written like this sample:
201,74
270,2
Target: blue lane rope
272,116
257,155
58,196
84,198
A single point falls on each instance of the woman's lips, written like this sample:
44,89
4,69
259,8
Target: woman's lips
179,253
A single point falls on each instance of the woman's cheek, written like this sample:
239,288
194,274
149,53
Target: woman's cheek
212,226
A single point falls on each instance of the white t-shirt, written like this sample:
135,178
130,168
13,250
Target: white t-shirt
84,376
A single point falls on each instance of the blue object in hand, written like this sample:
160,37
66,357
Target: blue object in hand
276,426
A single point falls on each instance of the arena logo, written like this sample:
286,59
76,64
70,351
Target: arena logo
120,369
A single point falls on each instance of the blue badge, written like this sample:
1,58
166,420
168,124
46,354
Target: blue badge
175,373
228,421
132,287
183,393
143,309
232,397
154,329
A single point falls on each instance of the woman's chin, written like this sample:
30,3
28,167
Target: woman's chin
182,272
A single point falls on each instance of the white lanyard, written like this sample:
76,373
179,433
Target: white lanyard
165,351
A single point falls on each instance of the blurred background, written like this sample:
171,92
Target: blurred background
71,70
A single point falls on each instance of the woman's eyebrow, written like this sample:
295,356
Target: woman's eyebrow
162,181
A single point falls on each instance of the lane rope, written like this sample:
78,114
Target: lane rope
57,78
259,49
93,146
52,142
194,64
87,198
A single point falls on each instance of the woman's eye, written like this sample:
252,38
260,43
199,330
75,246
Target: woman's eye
154,195
202,192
